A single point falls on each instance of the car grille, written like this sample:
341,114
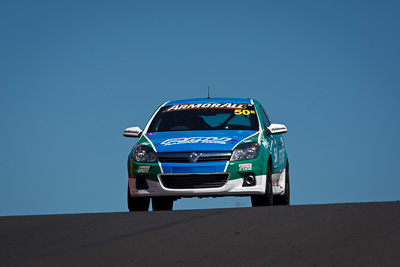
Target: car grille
186,157
194,181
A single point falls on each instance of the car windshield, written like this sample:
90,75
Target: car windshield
205,116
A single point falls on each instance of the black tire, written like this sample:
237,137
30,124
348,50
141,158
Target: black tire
138,203
267,199
285,198
162,203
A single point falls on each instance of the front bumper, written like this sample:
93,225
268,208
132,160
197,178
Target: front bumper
146,179
230,188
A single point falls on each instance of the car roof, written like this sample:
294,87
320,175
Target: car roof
210,100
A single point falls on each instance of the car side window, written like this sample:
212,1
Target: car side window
265,118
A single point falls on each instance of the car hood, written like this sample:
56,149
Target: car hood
178,141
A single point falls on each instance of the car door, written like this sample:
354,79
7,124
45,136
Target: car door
281,151
271,139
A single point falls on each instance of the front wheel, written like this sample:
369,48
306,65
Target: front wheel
267,198
138,203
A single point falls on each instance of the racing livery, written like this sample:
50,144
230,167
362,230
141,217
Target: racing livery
208,148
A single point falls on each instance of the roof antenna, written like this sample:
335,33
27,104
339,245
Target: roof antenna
208,92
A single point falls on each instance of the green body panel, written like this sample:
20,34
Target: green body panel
139,169
278,163
238,169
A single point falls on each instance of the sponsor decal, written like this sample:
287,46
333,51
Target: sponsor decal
244,112
205,106
196,140
144,169
144,192
131,131
145,143
264,142
273,141
281,156
245,167
278,129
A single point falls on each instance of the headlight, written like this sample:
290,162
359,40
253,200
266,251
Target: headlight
246,151
144,154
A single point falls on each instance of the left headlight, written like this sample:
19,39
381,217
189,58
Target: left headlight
246,151
144,154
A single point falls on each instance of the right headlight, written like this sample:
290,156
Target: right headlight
144,154
246,151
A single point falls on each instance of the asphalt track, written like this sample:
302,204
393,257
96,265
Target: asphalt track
358,234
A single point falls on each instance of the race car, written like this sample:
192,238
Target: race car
208,147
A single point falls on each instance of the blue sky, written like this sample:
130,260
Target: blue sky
75,74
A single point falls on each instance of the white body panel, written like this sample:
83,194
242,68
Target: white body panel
231,188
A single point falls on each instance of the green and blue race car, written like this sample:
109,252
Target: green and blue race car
208,148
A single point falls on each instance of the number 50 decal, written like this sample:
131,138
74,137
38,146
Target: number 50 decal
244,112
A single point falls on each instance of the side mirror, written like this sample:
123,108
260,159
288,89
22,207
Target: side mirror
276,129
133,132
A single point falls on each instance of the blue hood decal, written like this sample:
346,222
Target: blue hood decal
178,141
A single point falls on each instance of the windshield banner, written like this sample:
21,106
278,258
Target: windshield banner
205,106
